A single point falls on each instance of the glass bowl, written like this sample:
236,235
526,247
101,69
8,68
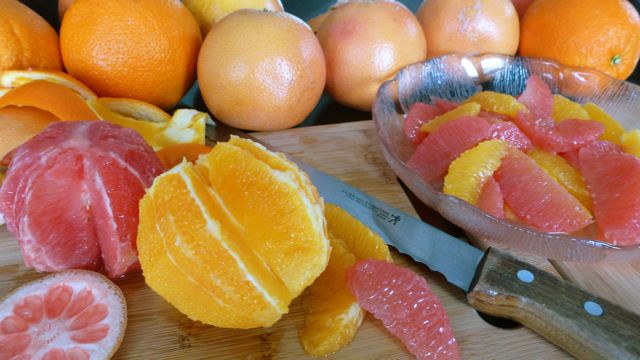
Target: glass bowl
456,77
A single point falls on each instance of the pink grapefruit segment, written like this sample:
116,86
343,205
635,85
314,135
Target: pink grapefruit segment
538,124
434,154
407,307
536,198
613,179
74,314
509,132
419,114
71,196
491,199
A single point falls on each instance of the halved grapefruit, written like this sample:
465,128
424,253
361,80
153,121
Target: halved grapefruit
74,314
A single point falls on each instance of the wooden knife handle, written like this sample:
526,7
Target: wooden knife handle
584,325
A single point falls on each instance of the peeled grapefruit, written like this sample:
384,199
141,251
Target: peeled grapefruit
71,196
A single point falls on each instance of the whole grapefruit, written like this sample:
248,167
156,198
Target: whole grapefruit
261,70
366,43
146,49
469,26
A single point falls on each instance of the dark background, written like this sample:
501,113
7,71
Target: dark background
327,111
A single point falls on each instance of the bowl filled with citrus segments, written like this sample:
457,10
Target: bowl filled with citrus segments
521,153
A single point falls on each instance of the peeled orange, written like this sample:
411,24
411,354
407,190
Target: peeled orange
366,43
231,240
261,70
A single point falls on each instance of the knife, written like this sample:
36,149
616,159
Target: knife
495,282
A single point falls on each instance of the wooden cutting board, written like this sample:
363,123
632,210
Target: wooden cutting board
351,152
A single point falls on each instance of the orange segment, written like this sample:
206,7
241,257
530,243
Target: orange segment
497,102
468,109
469,172
332,315
231,241
57,99
564,108
562,172
612,129
16,78
360,240
19,124
173,155
631,142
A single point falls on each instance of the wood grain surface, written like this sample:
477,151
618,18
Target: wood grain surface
351,152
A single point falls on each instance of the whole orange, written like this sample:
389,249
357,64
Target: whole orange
145,49
261,70
26,39
366,43
469,26
601,34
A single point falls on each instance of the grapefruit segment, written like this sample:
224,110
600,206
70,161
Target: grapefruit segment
93,333
419,114
564,136
613,178
537,98
509,132
434,154
536,198
407,307
491,200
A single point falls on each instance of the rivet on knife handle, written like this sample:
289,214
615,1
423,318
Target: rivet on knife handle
586,326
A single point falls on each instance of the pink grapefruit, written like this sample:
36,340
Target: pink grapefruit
407,307
71,196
